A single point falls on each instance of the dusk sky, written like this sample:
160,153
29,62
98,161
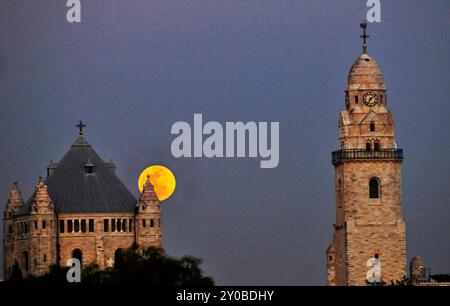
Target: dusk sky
131,69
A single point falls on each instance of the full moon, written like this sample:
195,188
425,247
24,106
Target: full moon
162,179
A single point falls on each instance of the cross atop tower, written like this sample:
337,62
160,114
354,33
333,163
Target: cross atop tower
363,26
81,126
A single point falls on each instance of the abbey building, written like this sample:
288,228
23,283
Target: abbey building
80,210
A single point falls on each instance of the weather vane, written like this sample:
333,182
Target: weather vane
363,26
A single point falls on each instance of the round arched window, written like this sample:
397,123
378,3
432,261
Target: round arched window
374,188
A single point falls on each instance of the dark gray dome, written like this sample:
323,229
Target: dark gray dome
83,183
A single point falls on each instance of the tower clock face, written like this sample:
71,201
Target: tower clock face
370,99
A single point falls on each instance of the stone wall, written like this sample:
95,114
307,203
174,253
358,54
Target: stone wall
97,246
366,226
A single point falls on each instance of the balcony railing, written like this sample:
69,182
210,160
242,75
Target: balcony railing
361,154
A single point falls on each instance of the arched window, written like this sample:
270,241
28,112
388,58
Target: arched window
89,167
91,225
376,146
25,261
372,126
61,226
105,225
83,225
338,192
374,188
118,258
368,146
76,253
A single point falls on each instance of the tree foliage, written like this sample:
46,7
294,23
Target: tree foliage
151,266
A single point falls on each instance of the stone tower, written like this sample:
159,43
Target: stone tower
148,218
42,220
369,222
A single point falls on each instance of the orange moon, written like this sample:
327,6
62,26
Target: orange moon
162,179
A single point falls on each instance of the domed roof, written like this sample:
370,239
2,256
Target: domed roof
417,268
365,74
83,183
416,261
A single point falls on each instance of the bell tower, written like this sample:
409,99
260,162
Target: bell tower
369,222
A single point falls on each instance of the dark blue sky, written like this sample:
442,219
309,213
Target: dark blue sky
131,69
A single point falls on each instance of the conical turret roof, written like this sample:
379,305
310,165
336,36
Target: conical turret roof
15,196
148,192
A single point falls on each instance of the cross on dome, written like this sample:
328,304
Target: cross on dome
81,126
